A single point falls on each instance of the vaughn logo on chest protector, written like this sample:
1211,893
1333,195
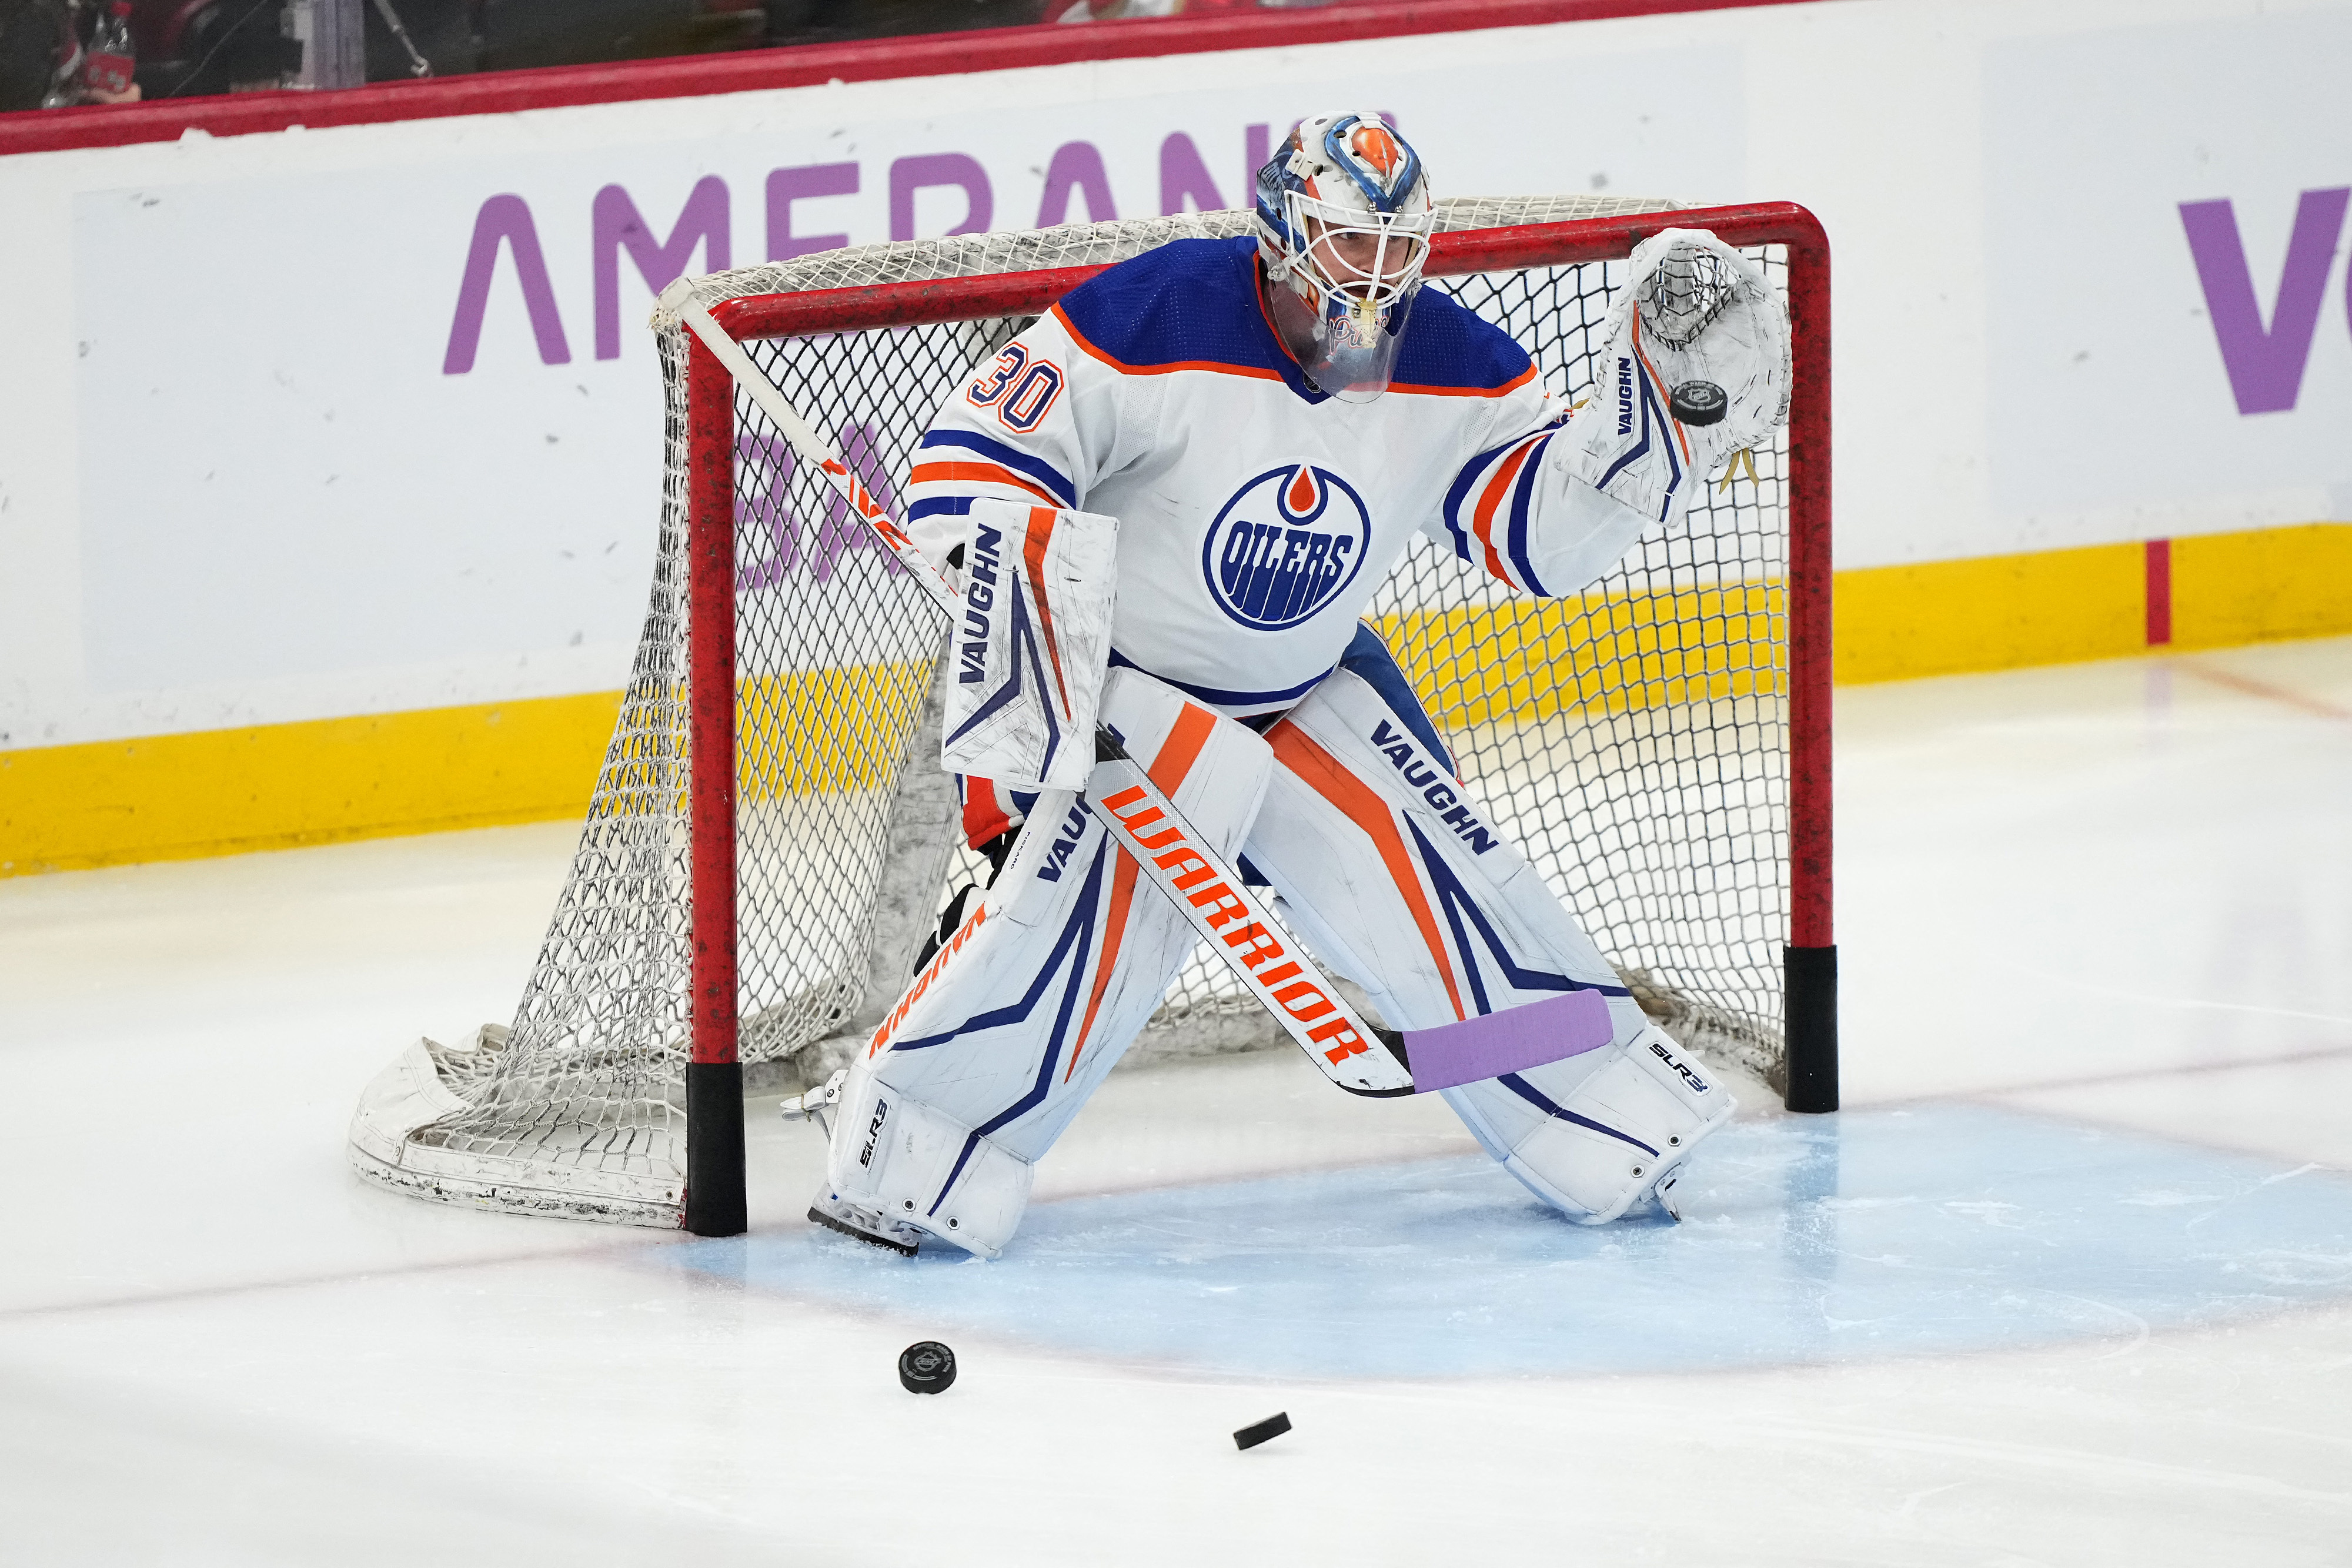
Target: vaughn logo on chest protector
1285,546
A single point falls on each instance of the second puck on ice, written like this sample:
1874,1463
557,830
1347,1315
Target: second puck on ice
1274,1426
1699,403
927,1366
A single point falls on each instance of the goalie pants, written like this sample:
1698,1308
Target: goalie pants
1349,809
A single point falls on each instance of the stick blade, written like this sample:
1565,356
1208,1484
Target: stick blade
1509,1041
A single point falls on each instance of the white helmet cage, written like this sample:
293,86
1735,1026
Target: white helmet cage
1344,217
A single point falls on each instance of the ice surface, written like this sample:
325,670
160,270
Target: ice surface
1940,1230
2065,1284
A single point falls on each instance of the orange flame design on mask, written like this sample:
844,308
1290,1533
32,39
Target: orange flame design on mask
1375,146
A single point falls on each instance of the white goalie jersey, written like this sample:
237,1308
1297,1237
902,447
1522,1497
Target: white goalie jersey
1257,516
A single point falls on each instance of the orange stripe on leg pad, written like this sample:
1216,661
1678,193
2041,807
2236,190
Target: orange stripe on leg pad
1323,773
1190,733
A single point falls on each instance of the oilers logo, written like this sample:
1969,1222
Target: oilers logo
1285,546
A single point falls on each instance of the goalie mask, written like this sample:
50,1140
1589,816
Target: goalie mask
1343,222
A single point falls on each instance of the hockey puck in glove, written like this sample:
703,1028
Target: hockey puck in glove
1274,1426
1699,403
927,1366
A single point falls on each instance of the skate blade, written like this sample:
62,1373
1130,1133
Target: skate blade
904,1250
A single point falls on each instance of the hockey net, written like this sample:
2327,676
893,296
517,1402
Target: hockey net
1636,740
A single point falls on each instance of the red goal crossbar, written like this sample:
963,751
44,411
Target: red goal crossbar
715,1196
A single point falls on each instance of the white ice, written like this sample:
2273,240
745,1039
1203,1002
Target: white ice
2069,1282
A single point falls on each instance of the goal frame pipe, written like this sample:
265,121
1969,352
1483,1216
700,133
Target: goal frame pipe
715,1199
716,1196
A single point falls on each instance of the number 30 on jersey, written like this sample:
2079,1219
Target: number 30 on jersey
1020,388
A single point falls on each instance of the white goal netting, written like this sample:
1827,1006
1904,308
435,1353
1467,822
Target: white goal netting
1632,739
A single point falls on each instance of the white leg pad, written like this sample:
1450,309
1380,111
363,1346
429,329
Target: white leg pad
1632,1119
904,1163
1014,1021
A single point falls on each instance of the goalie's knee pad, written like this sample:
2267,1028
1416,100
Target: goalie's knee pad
1592,1135
899,1169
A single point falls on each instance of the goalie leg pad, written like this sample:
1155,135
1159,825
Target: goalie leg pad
1592,1135
1009,1028
1387,871
900,1167
1392,874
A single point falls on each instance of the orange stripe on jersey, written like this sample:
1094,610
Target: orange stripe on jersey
1490,500
974,473
1190,733
1323,773
1033,552
1218,366
1506,389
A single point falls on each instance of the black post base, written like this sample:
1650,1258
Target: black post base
1810,1018
714,1148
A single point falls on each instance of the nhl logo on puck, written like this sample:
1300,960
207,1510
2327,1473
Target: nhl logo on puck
1699,403
927,1366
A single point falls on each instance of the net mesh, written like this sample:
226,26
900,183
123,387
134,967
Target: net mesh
1631,740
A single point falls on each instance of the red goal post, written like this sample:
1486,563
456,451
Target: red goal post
714,1200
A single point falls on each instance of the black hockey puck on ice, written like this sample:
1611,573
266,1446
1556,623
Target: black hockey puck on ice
1274,1426
1699,403
927,1366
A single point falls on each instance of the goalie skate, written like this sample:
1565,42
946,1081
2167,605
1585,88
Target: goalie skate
836,1213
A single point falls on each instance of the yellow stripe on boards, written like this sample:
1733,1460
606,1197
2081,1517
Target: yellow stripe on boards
2262,585
824,731
1997,612
1531,659
222,791
274,786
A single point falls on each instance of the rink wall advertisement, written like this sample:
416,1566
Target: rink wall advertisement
347,442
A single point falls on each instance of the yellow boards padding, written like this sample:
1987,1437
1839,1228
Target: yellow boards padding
824,731
272,785
221,791
1533,659
2262,585
1996,612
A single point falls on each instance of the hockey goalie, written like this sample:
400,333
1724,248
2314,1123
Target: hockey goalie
1269,420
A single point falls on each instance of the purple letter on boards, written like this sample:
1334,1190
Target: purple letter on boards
507,218
1077,168
615,224
1257,150
1183,177
909,175
2265,366
786,186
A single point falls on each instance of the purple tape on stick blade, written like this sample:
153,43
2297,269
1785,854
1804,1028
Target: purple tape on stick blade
1509,1041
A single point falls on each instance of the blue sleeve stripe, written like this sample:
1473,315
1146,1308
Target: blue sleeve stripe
1522,493
940,506
1013,457
1460,492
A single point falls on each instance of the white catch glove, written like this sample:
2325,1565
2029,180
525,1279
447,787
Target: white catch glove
1696,317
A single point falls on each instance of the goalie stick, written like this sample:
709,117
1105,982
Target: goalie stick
1150,828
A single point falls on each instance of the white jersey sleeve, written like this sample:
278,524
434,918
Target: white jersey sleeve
1516,512
1038,424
